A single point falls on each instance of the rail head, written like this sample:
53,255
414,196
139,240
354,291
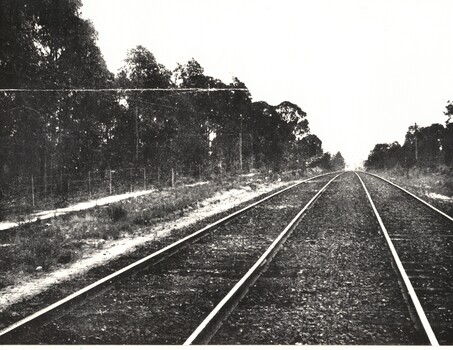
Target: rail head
138,265
402,273
207,328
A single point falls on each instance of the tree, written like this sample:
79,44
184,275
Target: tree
430,145
325,161
310,146
145,125
423,146
295,116
230,123
191,75
447,141
19,67
304,151
271,136
338,162
195,117
384,156
45,44
142,70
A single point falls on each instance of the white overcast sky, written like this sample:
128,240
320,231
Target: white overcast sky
363,70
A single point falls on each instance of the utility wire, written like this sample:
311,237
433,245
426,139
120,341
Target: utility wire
126,90
146,103
135,98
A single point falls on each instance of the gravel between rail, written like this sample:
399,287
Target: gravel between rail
424,241
165,304
332,282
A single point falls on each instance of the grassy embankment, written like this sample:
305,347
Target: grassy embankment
421,181
44,246
435,186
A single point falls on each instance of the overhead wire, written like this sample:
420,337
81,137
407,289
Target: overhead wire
123,90
67,89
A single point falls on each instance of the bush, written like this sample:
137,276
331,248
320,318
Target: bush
143,218
449,186
116,212
61,202
109,233
65,256
39,247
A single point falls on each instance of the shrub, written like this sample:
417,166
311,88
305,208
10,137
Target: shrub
38,247
143,218
116,212
110,233
449,186
61,202
65,256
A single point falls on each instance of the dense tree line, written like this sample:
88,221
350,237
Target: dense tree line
424,147
45,44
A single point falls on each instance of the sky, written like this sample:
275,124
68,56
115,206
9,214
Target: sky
362,70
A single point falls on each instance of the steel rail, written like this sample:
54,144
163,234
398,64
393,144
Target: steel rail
402,274
209,326
95,288
412,195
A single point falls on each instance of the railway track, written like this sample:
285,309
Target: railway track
222,261
368,264
332,283
423,237
353,298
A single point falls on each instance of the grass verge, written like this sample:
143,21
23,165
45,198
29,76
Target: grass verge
43,246
422,181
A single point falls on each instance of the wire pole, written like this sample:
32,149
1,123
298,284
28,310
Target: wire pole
136,135
32,191
172,177
89,183
110,181
416,143
144,179
240,145
61,180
